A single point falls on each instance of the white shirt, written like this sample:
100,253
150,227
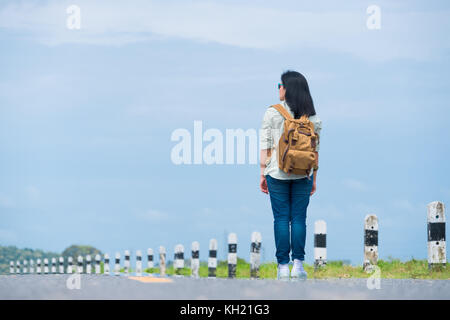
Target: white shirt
270,133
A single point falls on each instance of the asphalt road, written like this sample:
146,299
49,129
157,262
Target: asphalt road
122,287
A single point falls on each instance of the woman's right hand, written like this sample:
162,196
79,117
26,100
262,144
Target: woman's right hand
313,189
263,184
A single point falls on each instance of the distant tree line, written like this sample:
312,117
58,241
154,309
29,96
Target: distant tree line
12,253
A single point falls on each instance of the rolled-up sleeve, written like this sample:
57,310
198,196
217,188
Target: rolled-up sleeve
317,130
265,133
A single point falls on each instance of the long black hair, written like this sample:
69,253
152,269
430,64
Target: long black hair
297,96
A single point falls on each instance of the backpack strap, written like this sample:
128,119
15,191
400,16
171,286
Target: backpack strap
282,110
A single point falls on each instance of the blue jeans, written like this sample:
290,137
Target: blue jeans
289,200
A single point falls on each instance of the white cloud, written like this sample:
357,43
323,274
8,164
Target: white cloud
7,236
205,214
363,209
34,86
6,202
319,211
445,192
245,209
153,216
409,208
403,33
389,222
403,204
207,211
33,193
354,184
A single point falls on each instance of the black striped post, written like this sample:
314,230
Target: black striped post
150,264
53,265
45,266
436,234
212,259
25,268
11,267
88,264
31,266
162,261
18,267
174,260
106,265
38,266
370,242
320,244
195,260
61,265
255,255
232,255
97,264
117,264
138,263
80,264
179,259
126,263
70,265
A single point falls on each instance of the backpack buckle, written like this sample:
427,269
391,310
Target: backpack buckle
307,173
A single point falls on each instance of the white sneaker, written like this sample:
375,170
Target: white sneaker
297,272
283,272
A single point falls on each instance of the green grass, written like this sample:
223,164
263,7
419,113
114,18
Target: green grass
389,269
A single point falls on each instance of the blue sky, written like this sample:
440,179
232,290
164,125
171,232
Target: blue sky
86,118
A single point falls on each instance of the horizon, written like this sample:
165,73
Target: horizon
87,118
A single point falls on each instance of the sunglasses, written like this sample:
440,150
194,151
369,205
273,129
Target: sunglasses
280,85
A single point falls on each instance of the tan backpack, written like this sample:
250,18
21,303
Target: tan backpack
297,144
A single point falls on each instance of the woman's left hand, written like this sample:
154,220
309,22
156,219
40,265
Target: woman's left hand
263,185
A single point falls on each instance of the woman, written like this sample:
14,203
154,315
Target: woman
289,193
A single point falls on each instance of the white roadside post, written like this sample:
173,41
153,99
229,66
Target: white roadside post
320,244
88,264
179,259
53,265
38,266
70,266
126,263
370,242
255,255
195,261
436,234
174,260
106,265
150,264
97,264
18,267
45,266
232,255
138,263
61,265
11,267
212,258
24,268
117,264
80,264
162,261
31,266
